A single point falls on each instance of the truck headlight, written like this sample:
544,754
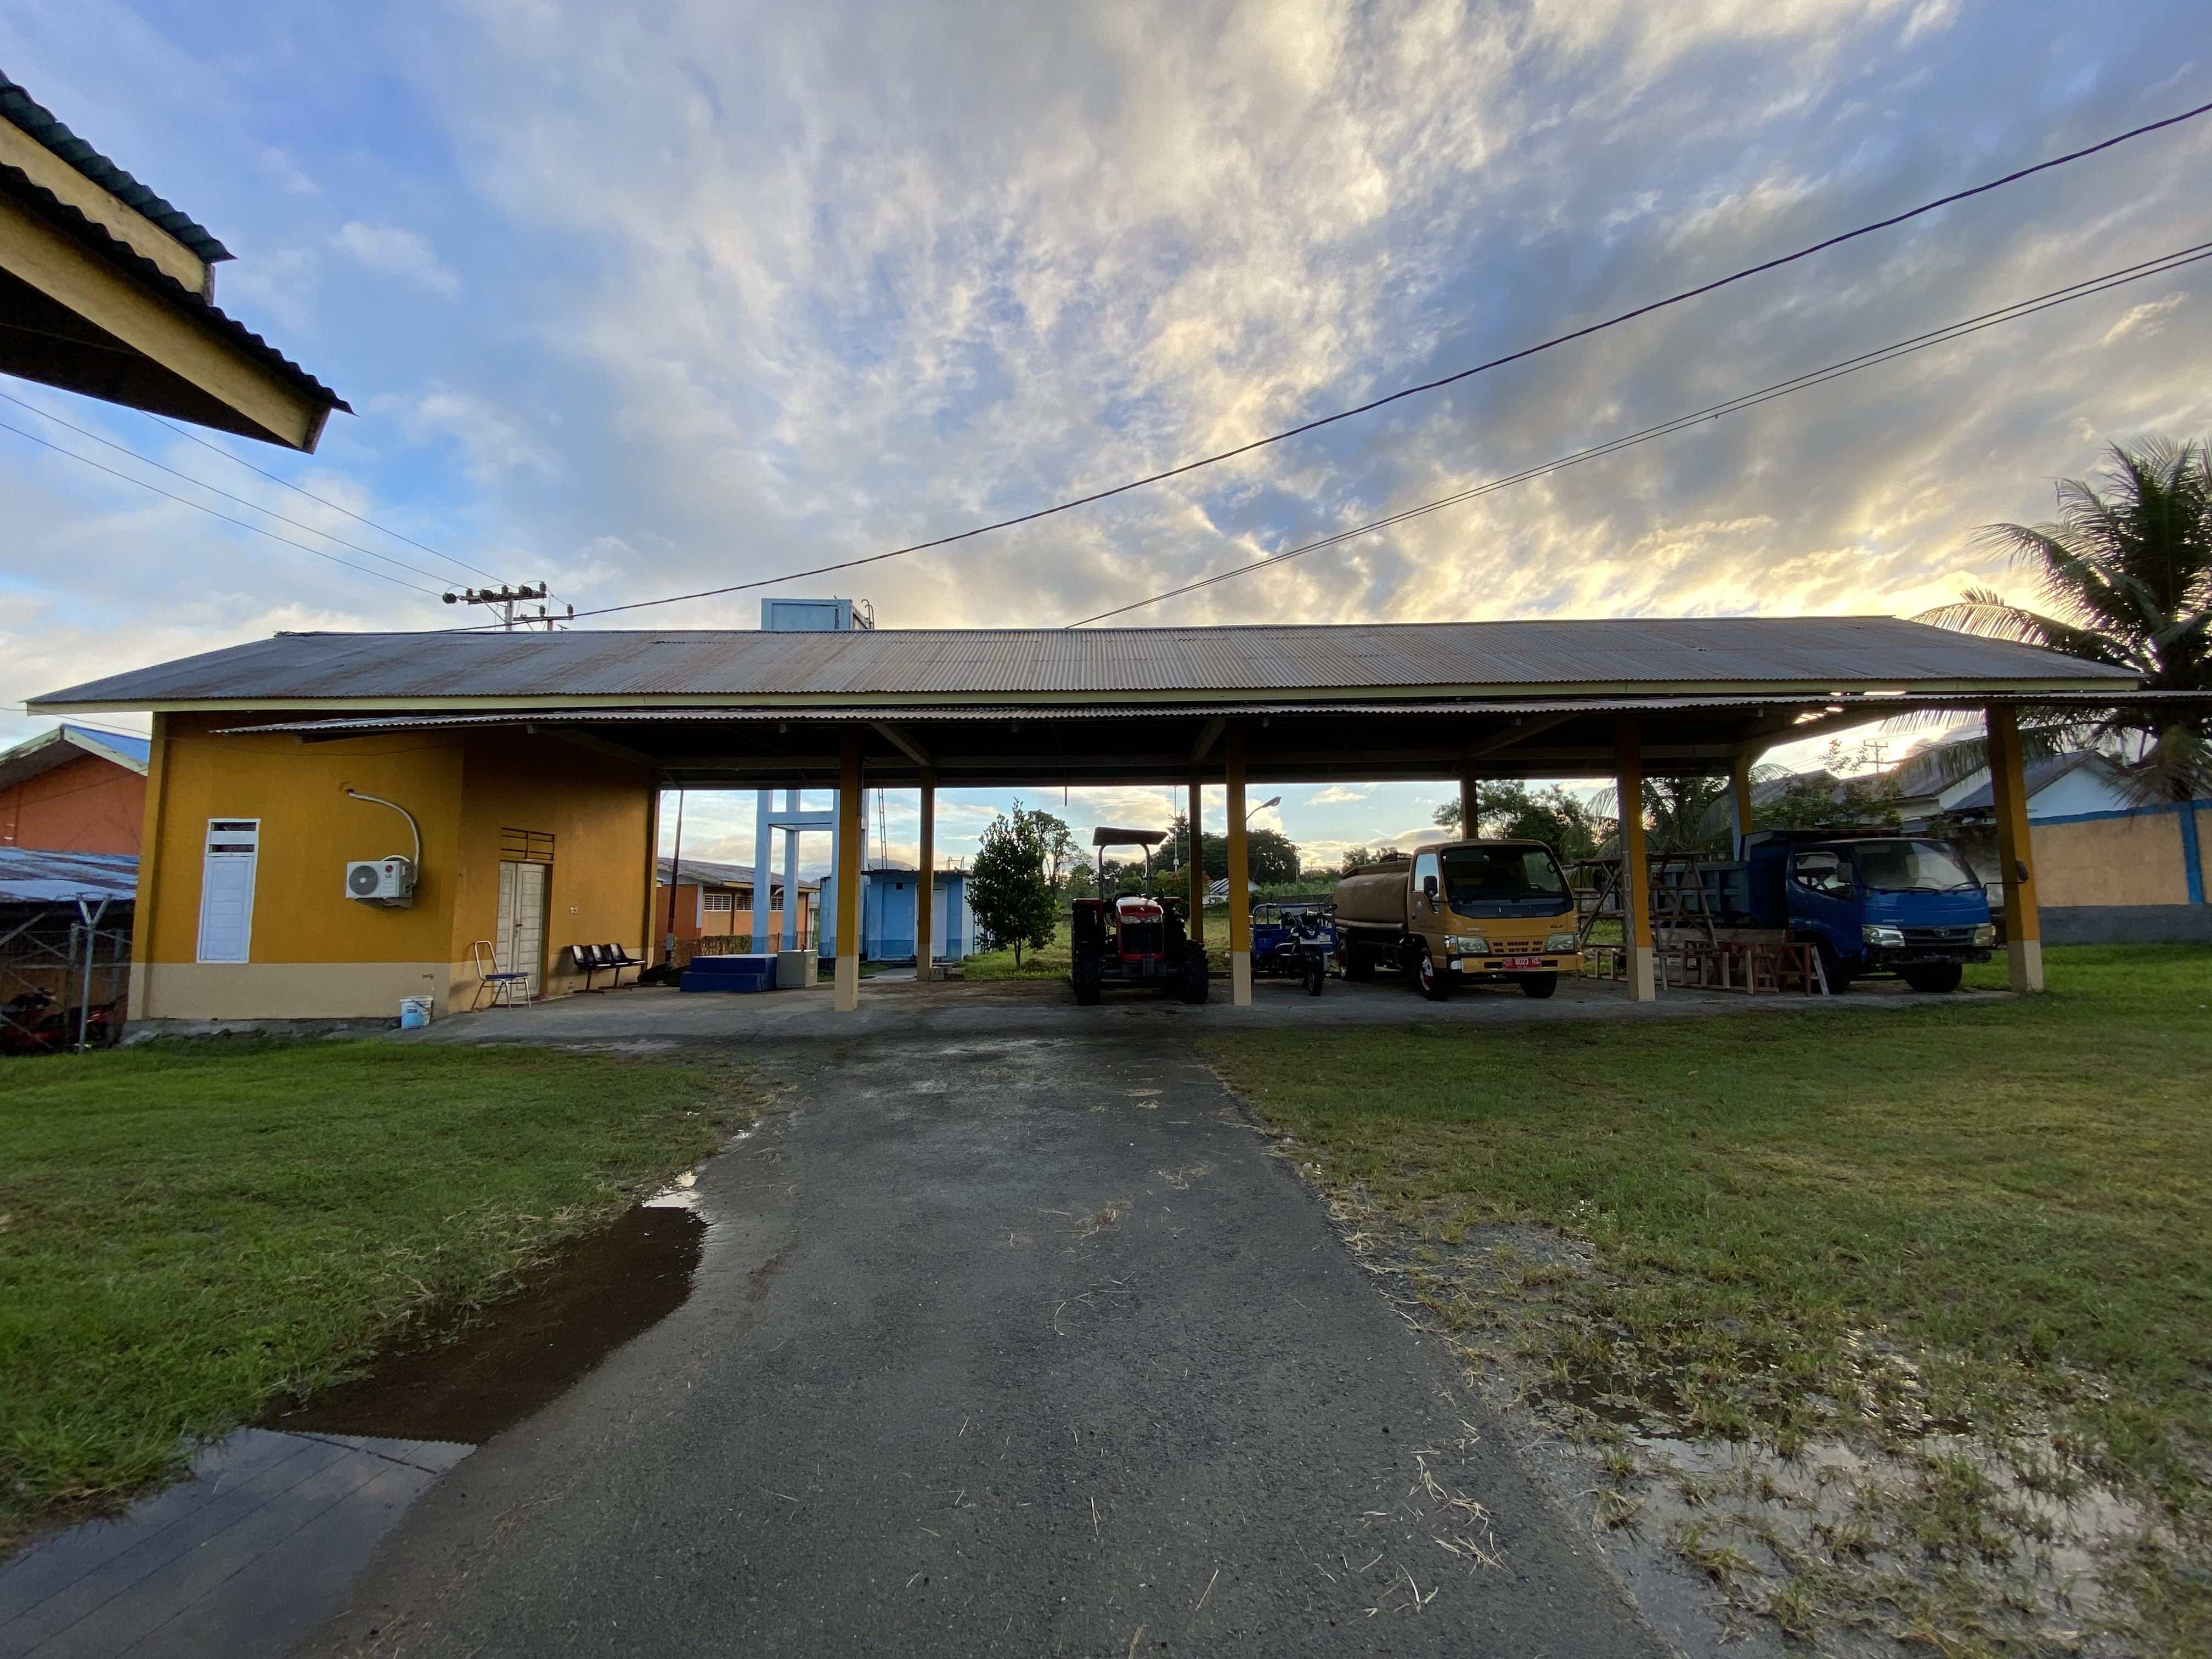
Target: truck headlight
1562,944
1467,945
1881,935
1985,934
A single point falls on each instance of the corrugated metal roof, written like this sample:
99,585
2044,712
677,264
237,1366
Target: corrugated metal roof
39,124
30,877
709,873
1686,654
64,743
2036,776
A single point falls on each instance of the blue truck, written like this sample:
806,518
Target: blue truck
1874,904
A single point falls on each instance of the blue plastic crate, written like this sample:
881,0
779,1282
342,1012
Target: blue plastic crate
739,973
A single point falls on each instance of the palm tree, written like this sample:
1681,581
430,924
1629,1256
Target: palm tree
2125,576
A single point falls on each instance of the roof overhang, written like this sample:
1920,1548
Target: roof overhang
1286,739
107,290
49,750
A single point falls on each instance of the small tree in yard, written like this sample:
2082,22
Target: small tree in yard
1012,896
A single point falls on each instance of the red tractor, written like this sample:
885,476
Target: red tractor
1134,940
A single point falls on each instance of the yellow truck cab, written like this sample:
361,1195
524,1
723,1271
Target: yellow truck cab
1466,909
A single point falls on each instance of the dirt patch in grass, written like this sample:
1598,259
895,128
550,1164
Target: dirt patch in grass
192,1231
1896,1325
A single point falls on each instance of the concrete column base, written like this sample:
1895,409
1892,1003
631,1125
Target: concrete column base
2026,958
848,994
1643,974
1240,978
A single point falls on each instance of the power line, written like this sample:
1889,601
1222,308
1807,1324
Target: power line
147,460
1942,335
1426,385
202,507
463,564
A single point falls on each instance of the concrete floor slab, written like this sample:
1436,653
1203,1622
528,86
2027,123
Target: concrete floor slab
1047,1008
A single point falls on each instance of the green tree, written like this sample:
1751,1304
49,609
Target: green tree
2123,576
1509,812
1273,857
1061,854
1825,801
1008,889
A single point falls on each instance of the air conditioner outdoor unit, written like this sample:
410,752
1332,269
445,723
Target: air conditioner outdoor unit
388,882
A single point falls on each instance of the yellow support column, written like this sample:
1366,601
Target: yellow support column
153,872
1470,813
2023,919
1635,872
1240,884
925,890
1740,795
1197,861
851,830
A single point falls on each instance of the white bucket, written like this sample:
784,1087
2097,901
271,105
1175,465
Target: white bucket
414,1012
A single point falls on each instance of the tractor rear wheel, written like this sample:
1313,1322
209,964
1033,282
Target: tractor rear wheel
1195,985
1088,974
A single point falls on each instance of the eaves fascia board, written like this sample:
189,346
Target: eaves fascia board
1889,693
197,307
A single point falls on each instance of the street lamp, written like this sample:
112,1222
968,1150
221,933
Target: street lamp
1272,800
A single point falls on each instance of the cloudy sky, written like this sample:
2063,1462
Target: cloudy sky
636,301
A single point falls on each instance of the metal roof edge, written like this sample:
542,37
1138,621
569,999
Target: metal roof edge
46,129
1889,691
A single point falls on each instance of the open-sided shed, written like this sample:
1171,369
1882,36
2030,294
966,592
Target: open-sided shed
930,708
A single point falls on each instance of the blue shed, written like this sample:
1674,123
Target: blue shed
887,895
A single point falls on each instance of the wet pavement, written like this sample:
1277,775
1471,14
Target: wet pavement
1001,1345
259,1544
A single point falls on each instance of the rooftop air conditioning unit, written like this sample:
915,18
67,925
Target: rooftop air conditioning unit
389,882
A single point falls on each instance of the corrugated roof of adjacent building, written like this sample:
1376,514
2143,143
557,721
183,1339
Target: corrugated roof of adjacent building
2035,777
294,671
28,876
66,743
708,873
44,128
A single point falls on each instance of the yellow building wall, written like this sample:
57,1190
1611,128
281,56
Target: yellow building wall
2119,861
597,808
316,953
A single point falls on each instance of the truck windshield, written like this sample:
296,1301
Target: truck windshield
1910,867
1504,881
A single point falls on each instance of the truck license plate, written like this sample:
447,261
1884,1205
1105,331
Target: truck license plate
1512,962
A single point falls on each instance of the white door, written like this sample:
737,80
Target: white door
520,947
234,847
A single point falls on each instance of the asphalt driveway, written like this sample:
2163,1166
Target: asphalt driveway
1002,1345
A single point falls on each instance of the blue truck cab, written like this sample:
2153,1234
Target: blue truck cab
1878,904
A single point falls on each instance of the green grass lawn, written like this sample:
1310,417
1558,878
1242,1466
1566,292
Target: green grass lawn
189,1231
1892,1228
1052,961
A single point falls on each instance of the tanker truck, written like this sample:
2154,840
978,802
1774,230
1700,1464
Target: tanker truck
1464,911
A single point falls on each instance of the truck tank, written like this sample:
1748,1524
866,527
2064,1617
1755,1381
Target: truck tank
1376,895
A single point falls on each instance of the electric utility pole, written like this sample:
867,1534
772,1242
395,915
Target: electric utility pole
503,599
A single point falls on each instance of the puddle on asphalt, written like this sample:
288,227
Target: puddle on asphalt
470,1377
262,1540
